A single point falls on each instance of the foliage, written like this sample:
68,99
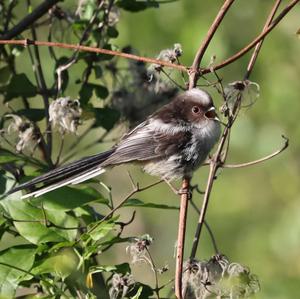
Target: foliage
65,235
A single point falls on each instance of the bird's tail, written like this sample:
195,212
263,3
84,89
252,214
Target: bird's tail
72,173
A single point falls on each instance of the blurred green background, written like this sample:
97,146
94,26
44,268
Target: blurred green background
254,212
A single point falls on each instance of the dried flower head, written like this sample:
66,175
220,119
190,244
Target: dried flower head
65,113
218,277
247,92
113,16
170,55
120,285
138,249
28,136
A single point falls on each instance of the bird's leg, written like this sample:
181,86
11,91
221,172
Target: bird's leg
179,191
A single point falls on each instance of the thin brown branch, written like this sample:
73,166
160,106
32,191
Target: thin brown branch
29,19
215,162
209,230
258,161
193,77
135,190
181,237
200,53
73,59
258,46
26,42
260,37
41,82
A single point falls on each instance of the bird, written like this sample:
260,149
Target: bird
171,143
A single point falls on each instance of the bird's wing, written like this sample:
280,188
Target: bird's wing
147,142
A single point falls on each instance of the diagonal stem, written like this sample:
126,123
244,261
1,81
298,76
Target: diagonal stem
215,161
200,53
184,198
251,45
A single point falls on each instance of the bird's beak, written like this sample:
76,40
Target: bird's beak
211,114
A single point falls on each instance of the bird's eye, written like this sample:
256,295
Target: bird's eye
196,109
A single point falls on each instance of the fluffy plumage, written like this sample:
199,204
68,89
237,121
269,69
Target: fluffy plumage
171,143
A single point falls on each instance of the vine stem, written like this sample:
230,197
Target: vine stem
251,45
193,77
181,237
27,42
216,163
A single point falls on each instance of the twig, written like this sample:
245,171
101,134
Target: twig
213,28
254,42
29,19
184,198
134,190
210,232
215,162
26,42
193,77
41,82
154,269
286,144
73,59
258,46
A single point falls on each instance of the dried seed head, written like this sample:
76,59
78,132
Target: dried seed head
28,137
65,113
114,16
218,277
120,285
170,55
246,92
138,248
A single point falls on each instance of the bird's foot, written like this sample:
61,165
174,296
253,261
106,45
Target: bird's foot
180,191
186,191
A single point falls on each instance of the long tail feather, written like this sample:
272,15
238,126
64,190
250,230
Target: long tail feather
72,173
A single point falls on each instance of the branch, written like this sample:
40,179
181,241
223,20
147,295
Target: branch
193,77
29,19
216,160
181,237
26,42
136,189
286,144
254,42
200,53
258,46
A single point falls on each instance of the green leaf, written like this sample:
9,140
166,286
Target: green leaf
62,263
64,74
121,268
85,93
2,182
133,202
19,86
101,91
5,74
17,50
32,114
146,292
106,117
21,257
7,157
98,71
137,5
67,198
138,293
31,222
103,229
87,9
112,32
